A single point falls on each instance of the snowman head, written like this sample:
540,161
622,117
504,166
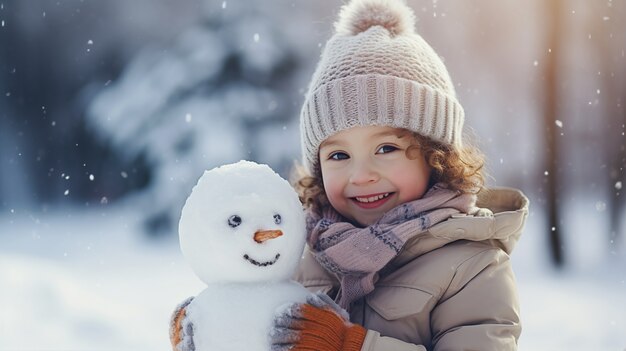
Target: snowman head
242,223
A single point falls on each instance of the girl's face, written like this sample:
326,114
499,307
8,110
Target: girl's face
366,172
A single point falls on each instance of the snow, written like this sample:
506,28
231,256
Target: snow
86,280
221,217
249,307
247,275
581,307
83,279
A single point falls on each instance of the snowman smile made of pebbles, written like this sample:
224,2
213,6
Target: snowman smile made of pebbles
260,237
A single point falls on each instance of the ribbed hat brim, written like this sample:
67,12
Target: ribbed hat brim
377,100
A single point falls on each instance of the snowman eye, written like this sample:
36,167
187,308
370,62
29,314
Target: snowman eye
277,219
234,221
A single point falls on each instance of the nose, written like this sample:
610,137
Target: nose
364,173
265,235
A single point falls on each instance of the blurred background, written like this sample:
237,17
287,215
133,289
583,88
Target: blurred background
111,110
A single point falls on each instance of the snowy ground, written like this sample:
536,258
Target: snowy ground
86,280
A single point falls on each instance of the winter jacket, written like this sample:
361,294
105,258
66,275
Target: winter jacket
451,288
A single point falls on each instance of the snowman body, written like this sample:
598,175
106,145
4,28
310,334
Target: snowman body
239,316
242,230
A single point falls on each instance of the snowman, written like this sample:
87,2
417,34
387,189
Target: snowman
242,232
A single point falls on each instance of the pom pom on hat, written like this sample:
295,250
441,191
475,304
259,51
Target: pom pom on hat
360,15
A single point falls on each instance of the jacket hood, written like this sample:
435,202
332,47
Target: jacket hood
502,230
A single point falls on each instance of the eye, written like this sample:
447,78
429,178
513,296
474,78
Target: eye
278,219
338,156
234,221
385,149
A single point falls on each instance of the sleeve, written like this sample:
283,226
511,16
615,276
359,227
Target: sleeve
375,342
181,329
480,308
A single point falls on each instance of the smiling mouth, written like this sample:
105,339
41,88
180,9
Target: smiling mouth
371,201
261,264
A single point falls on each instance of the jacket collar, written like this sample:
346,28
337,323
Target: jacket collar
503,229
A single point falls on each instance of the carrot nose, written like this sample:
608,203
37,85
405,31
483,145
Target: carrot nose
265,235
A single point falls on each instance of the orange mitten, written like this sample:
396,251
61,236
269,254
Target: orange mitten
318,325
181,331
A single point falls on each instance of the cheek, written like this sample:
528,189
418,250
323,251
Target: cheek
414,180
333,191
333,188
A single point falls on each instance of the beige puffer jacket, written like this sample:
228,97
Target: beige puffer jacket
451,288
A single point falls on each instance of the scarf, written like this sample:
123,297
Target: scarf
357,254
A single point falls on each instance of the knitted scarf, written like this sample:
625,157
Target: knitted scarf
356,254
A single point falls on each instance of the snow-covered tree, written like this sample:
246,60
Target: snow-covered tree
225,90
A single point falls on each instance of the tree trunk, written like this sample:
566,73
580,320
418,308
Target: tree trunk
552,157
618,181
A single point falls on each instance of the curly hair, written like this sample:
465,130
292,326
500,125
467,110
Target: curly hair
461,168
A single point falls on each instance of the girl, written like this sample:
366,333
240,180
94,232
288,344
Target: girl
395,236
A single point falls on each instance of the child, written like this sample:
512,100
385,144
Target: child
395,236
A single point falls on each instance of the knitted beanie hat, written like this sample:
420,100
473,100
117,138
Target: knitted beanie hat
377,71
